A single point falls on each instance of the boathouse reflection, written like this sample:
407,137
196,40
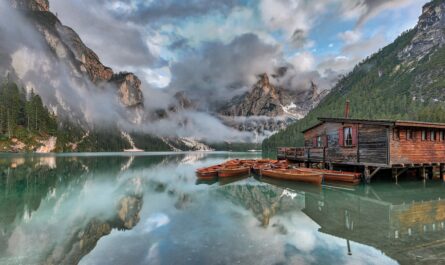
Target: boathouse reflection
404,222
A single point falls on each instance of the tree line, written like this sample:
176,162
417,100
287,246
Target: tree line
23,112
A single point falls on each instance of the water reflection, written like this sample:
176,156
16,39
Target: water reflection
120,209
405,221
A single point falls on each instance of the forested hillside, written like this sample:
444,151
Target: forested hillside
390,84
26,124
23,116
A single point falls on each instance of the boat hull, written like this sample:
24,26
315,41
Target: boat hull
233,172
332,175
294,175
207,175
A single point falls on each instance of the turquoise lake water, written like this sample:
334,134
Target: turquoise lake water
149,209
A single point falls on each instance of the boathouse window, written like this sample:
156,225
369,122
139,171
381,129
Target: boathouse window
347,134
442,135
319,141
409,134
433,136
423,135
396,134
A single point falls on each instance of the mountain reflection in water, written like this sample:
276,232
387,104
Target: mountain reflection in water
149,209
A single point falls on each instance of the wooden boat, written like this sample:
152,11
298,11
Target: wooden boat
333,175
294,175
207,172
232,162
264,161
256,168
233,171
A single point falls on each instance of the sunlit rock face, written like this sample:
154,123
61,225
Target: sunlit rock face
90,63
129,89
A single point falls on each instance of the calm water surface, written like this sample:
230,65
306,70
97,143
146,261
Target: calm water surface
148,209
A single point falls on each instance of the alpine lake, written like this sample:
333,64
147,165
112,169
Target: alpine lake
148,208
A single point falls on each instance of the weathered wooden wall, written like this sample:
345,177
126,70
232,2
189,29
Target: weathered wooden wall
334,152
373,144
416,150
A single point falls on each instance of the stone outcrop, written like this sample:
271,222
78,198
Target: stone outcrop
129,89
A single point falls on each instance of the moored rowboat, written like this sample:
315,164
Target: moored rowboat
293,174
256,168
207,172
233,171
332,175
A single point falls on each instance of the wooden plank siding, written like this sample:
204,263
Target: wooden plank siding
334,153
373,144
416,150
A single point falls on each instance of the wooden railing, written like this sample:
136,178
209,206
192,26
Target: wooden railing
302,153
293,153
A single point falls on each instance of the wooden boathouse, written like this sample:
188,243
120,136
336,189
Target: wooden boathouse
372,145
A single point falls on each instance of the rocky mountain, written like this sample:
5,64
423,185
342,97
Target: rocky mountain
268,107
67,46
404,80
74,74
65,63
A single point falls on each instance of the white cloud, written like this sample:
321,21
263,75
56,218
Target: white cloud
294,17
363,10
303,62
350,36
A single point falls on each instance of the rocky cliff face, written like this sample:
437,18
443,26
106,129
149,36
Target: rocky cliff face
268,107
430,32
423,54
263,100
68,47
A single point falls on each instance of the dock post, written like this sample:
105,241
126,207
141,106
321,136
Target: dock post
441,169
394,174
423,172
367,174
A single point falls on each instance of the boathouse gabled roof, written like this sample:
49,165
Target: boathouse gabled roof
400,123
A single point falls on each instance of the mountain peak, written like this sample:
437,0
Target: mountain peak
432,15
430,32
264,79
33,5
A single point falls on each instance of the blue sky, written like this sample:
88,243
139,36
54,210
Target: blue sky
161,40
